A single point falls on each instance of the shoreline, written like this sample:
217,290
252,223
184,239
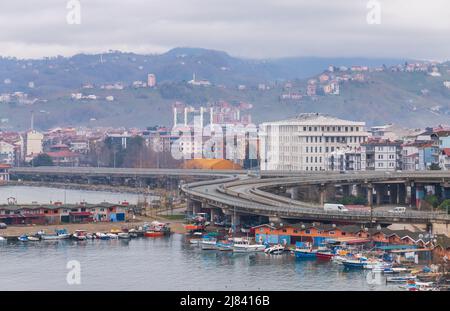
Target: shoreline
16,231
75,186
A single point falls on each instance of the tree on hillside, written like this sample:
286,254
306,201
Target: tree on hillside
42,159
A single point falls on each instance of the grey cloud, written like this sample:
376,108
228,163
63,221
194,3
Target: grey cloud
249,28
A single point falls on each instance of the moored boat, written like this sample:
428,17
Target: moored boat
102,236
402,278
275,249
112,236
208,243
23,238
80,235
124,235
324,255
153,234
358,263
224,246
241,245
32,238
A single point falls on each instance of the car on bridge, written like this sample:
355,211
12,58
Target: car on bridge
398,210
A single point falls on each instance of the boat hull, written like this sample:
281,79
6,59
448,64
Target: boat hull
305,255
324,256
153,234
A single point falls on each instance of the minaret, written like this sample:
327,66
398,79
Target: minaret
32,120
185,116
211,116
201,117
175,121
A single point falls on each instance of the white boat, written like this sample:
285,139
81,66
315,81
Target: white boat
275,249
2,239
49,237
243,246
33,238
124,235
112,235
23,238
403,278
195,241
102,236
208,244
80,235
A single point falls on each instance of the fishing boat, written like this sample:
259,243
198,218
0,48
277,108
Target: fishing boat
80,235
62,234
112,236
153,234
358,263
275,249
33,238
241,245
324,255
224,246
305,253
49,237
159,227
124,235
102,236
402,278
23,238
208,243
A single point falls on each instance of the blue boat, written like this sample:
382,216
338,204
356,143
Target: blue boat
355,263
303,250
23,238
305,253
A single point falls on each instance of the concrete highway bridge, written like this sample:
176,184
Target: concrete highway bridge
301,197
279,196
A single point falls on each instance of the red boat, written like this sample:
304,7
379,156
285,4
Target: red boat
153,234
324,255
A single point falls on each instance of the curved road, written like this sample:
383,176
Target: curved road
247,194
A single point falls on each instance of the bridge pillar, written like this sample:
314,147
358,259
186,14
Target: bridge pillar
370,194
189,206
358,190
401,194
294,191
346,190
380,190
393,194
213,215
322,194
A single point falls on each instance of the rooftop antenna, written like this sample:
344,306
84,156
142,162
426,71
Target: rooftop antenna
32,120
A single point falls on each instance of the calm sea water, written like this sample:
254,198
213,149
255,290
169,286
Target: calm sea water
165,264
43,195
169,263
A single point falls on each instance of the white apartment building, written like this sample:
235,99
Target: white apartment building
7,153
33,145
382,155
304,142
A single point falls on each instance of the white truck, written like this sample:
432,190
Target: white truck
335,207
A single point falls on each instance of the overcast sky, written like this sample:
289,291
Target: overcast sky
247,28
